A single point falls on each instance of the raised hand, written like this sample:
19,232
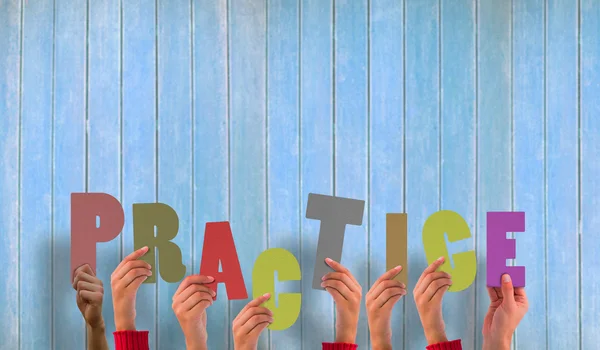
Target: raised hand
508,306
125,282
250,322
428,294
189,304
90,293
346,293
380,301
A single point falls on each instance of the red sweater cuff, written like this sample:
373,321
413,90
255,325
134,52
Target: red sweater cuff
449,345
339,346
131,340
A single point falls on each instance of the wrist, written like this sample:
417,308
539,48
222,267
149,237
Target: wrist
124,326
348,337
497,343
435,336
380,344
195,345
98,329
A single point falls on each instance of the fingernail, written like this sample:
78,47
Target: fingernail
323,278
402,285
397,267
328,260
210,278
441,258
144,248
150,273
506,278
322,284
266,295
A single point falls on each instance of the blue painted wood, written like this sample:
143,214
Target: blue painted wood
104,129
210,145
351,121
386,134
175,182
138,136
457,146
36,215
316,156
69,165
562,169
590,168
10,84
529,161
283,153
247,131
494,162
422,144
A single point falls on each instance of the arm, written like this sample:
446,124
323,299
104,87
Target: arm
189,304
346,293
381,298
250,322
508,306
90,293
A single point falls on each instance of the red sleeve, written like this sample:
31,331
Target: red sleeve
131,340
449,345
339,346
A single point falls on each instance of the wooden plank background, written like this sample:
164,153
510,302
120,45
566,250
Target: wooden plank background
238,109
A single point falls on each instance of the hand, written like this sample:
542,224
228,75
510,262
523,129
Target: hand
125,281
380,300
428,294
189,304
250,322
346,293
508,306
89,296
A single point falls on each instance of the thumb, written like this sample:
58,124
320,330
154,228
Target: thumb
508,292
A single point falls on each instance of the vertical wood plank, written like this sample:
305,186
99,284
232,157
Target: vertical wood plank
175,173
422,144
493,133
529,161
458,142
139,136
69,164
386,173
211,154
247,60
283,173
10,84
562,174
104,128
590,168
316,143
35,245
351,122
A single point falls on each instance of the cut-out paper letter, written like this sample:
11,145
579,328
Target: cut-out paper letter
335,213
85,233
500,248
220,247
396,245
146,216
465,263
263,281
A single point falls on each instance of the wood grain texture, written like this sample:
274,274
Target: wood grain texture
237,110
69,165
351,122
562,150
247,132
494,133
528,73
10,106
138,136
422,144
210,145
36,215
316,143
386,134
104,129
590,168
458,146
283,142
175,183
